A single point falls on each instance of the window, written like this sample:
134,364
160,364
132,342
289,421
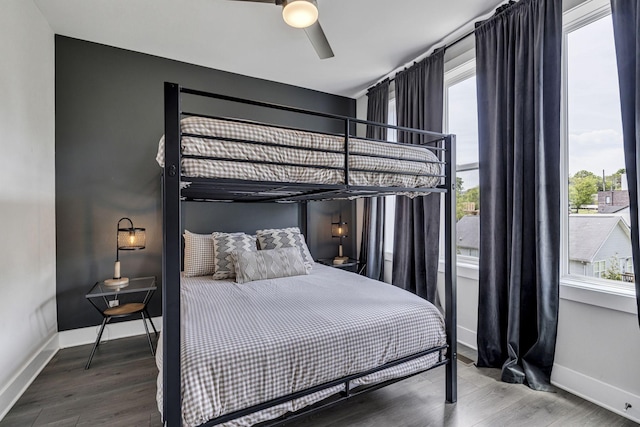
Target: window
599,267
390,201
461,119
596,195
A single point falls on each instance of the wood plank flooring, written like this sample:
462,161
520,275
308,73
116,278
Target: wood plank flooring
120,389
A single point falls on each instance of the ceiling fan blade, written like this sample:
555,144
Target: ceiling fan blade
259,1
319,41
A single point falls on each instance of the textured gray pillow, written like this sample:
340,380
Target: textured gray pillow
198,254
276,238
268,264
223,245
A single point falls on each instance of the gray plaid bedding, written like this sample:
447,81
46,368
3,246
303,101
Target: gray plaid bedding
246,344
406,169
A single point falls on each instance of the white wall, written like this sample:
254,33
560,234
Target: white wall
597,348
27,209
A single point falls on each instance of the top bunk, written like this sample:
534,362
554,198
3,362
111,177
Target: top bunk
230,159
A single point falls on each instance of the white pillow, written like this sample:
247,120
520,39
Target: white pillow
268,264
223,245
276,238
198,254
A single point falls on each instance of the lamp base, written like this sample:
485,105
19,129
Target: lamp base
340,260
117,283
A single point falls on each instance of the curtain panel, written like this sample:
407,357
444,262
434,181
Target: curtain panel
518,71
372,243
626,20
419,104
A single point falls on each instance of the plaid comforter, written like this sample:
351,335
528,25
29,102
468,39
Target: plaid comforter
246,344
407,167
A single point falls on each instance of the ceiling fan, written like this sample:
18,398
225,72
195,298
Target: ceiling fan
304,14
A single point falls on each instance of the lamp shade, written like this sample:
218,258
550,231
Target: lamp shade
339,229
131,239
299,13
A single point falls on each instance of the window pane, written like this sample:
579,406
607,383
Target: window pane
468,213
462,115
462,120
392,134
389,222
599,234
390,201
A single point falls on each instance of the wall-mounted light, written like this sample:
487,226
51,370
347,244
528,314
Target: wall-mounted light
299,13
127,239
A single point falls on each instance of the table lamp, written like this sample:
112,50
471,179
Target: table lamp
127,239
339,229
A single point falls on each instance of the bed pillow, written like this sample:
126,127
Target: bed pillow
276,238
268,264
198,254
223,245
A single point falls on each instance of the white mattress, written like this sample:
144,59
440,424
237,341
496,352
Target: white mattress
402,170
246,344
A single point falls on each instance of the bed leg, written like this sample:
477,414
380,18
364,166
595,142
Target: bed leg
451,379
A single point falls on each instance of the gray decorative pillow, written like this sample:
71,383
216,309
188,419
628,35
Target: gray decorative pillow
198,254
276,238
268,264
223,245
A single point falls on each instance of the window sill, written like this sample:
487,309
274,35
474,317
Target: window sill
572,288
599,294
467,267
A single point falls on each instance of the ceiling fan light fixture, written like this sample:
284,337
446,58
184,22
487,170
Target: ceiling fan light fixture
299,13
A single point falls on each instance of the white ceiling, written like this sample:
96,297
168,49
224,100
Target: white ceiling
370,38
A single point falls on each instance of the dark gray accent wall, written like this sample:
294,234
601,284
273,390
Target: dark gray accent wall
109,118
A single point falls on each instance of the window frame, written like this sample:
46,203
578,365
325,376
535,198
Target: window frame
581,288
456,75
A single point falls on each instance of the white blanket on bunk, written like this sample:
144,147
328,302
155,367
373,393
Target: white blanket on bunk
246,344
406,167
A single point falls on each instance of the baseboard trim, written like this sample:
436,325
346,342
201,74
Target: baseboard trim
596,391
82,336
467,337
10,394
25,376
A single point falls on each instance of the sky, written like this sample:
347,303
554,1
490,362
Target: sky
594,123
595,126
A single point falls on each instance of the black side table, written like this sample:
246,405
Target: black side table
349,265
109,310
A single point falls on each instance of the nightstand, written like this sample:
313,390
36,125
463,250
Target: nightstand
110,306
348,265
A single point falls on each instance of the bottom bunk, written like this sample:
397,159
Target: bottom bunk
247,344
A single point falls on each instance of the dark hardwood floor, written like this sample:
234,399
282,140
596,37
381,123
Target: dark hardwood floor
120,390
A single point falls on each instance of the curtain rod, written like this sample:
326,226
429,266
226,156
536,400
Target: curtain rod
499,11
445,47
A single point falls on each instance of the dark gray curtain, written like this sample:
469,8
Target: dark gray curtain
372,243
419,104
518,66
626,23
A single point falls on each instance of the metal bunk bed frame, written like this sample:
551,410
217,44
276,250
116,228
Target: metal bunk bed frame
213,189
